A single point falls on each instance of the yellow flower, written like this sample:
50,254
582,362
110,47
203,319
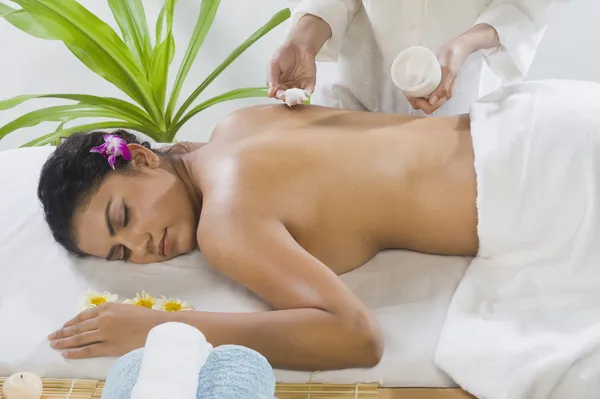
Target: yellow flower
171,305
144,300
92,299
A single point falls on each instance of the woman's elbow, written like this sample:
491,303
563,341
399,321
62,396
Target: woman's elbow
369,339
373,348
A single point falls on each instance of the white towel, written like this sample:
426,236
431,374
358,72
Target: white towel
173,357
525,320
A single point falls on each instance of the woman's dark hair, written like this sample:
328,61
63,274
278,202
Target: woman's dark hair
70,176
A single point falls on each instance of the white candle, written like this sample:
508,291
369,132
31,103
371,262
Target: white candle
23,386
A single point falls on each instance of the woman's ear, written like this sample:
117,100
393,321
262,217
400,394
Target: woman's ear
143,157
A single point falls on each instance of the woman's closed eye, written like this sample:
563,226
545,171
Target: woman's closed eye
125,216
125,252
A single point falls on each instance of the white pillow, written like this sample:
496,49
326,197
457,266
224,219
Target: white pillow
41,285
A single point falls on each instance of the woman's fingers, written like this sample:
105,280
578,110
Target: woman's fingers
74,329
87,314
89,351
77,340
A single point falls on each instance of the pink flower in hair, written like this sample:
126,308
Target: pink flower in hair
113,147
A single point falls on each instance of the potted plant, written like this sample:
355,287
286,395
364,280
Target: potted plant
134,62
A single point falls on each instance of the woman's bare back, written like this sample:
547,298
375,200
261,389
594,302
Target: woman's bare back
346,184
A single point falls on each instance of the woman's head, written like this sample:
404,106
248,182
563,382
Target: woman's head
142,211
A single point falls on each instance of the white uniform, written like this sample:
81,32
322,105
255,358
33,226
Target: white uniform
367,35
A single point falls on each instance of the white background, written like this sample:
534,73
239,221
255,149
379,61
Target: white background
30,66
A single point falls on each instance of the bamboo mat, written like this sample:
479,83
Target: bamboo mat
92,389
68,389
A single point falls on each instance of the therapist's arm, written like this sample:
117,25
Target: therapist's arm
507,32
452,57
316,33
310,31
480,37
336,14
520,26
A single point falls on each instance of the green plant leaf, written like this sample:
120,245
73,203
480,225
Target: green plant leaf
230,95
127,110
131,18
60,113
25,22
208,11
162,55
51,137
96,45
276,20
160,22
60,127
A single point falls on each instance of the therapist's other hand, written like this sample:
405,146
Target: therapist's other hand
111,329
451,57
293,66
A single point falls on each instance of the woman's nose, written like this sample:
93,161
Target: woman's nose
137,243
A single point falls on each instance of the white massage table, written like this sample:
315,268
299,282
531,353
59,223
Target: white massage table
41,285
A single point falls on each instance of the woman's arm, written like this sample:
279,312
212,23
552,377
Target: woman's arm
322,24
317,322
520,26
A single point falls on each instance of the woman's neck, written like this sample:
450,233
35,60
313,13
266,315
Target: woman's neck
182,168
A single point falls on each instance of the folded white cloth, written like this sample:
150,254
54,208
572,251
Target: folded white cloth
525,320
173,357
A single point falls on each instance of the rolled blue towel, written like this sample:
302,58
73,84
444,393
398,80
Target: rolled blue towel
230,372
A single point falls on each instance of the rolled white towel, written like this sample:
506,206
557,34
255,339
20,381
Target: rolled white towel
173,357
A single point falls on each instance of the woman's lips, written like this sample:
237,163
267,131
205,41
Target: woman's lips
165,245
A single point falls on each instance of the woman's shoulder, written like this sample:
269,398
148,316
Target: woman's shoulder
181,148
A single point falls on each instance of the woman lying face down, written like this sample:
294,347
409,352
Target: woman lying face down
281,201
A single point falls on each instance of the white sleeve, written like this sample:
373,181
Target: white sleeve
520,25
337,14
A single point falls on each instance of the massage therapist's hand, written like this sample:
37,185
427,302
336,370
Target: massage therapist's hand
292,66
111,329
451,57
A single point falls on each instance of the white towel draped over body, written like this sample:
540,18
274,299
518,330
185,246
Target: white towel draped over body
524,322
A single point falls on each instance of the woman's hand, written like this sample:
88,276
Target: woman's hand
451,57
293,66
111,329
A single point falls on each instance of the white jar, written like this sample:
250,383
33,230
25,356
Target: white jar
416,71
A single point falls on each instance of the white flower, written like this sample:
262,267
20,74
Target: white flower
144,300
171,305
92,299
